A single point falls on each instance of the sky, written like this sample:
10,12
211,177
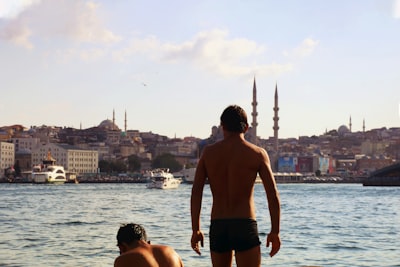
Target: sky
174,66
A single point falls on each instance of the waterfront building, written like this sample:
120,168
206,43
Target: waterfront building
72,158
23,158
103,150
305,164
4,135
7,156
130,147
25,143
185,150
366,165
287,163
374,147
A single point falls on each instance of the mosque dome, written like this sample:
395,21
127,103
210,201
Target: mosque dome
343,130
108,125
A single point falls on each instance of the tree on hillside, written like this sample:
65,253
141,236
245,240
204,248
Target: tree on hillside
134,163
112,166
105,166
166,161
17,169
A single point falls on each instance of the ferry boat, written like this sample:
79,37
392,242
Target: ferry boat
162,179
49,172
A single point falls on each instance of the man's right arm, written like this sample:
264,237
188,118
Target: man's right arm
195,204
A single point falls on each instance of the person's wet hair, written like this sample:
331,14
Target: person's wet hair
130,232
234,119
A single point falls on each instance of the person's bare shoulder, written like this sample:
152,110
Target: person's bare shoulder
261,151
210,151
167,255
128,258
256,150
213,146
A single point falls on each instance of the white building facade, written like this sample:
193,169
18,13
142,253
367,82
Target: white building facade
73,159
27,144
7,156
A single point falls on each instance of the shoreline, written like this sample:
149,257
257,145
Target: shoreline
133,181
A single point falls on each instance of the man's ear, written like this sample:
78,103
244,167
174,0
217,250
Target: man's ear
247,127
123,247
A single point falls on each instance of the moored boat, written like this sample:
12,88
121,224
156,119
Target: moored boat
188,175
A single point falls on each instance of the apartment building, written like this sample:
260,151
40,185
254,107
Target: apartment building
25,143
7,156
72,158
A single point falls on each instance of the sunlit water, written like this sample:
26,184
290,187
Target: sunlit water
75,224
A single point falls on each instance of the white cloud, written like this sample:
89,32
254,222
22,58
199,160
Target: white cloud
17,33
210,50
73,19
305,49
213,50
10,9
150,46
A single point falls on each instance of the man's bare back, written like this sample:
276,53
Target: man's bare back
146,255
231,167
136,251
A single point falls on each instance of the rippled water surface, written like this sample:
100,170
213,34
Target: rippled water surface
75,224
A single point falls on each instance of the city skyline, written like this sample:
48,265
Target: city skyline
173,67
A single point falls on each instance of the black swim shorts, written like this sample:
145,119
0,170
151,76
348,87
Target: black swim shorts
233,234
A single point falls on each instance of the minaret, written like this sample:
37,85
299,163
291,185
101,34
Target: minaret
254,113
276,119
113,126
350,124
363,125
125,122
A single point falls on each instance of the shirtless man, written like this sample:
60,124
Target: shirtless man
136,251
231,166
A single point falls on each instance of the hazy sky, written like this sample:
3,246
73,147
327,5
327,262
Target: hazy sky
173,66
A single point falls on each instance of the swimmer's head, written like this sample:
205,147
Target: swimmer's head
234,119
128,233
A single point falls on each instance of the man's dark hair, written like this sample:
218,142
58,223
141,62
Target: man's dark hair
234,119
130,232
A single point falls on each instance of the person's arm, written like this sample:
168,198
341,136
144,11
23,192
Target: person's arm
195,204
271,190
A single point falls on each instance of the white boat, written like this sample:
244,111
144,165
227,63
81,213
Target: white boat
48,172
188,175
162,179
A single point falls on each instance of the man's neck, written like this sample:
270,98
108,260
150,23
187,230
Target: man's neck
137,244
233,135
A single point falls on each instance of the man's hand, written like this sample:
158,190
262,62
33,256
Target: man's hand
196,238
275,240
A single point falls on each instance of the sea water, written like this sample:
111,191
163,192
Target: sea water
76,224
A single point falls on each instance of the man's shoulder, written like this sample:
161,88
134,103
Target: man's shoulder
254,147
163,248
213,146
131,256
